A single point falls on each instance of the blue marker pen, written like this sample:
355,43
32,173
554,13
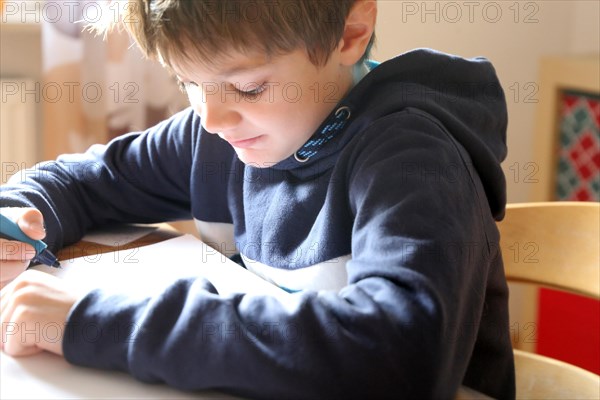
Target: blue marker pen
11,231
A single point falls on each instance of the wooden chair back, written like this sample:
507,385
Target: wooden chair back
557,245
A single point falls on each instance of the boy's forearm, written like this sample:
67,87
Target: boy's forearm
79,191
309,346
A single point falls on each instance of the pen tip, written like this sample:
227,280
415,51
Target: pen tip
56,264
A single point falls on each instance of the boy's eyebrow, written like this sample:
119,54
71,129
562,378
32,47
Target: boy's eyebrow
242,68
236,69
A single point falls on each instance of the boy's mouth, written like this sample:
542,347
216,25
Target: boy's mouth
244,143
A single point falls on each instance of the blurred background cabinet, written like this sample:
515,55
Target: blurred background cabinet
20,108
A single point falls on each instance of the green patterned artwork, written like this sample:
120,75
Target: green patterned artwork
578,170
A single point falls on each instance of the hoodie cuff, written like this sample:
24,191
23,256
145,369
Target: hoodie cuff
100,330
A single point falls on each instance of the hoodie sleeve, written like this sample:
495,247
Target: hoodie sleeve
405,325
113,182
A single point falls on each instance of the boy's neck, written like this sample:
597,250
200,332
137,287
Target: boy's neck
358,72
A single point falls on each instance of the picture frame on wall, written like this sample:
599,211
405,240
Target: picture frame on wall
567,135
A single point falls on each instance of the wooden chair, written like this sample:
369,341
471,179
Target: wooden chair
557,245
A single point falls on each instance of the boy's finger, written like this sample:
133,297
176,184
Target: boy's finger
31,223
5,294
13,343
11,250
30,220
9,270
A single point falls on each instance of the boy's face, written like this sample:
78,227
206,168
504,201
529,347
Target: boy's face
265,108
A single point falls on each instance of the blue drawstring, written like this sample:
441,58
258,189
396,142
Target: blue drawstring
318,140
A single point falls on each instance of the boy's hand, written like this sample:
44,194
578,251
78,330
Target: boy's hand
15,256
33,312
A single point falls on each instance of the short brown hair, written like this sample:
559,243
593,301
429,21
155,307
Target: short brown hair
170,29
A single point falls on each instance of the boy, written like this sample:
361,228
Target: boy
369,192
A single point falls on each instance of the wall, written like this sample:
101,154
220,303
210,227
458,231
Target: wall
585,32
513,35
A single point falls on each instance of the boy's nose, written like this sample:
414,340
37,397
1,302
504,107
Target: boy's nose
217,115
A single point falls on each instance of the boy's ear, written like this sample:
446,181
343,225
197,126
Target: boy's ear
360,24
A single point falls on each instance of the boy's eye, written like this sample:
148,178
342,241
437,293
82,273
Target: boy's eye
255,91
246,91
184,86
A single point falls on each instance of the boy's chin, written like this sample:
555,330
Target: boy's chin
255,160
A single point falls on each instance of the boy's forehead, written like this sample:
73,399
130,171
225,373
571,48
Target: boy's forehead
222,66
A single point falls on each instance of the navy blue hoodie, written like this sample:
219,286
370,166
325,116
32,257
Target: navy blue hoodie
386,238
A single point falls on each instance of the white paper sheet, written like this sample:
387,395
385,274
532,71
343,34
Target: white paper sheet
48,376
136,271
147,268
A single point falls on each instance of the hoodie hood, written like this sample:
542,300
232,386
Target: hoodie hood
463,94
